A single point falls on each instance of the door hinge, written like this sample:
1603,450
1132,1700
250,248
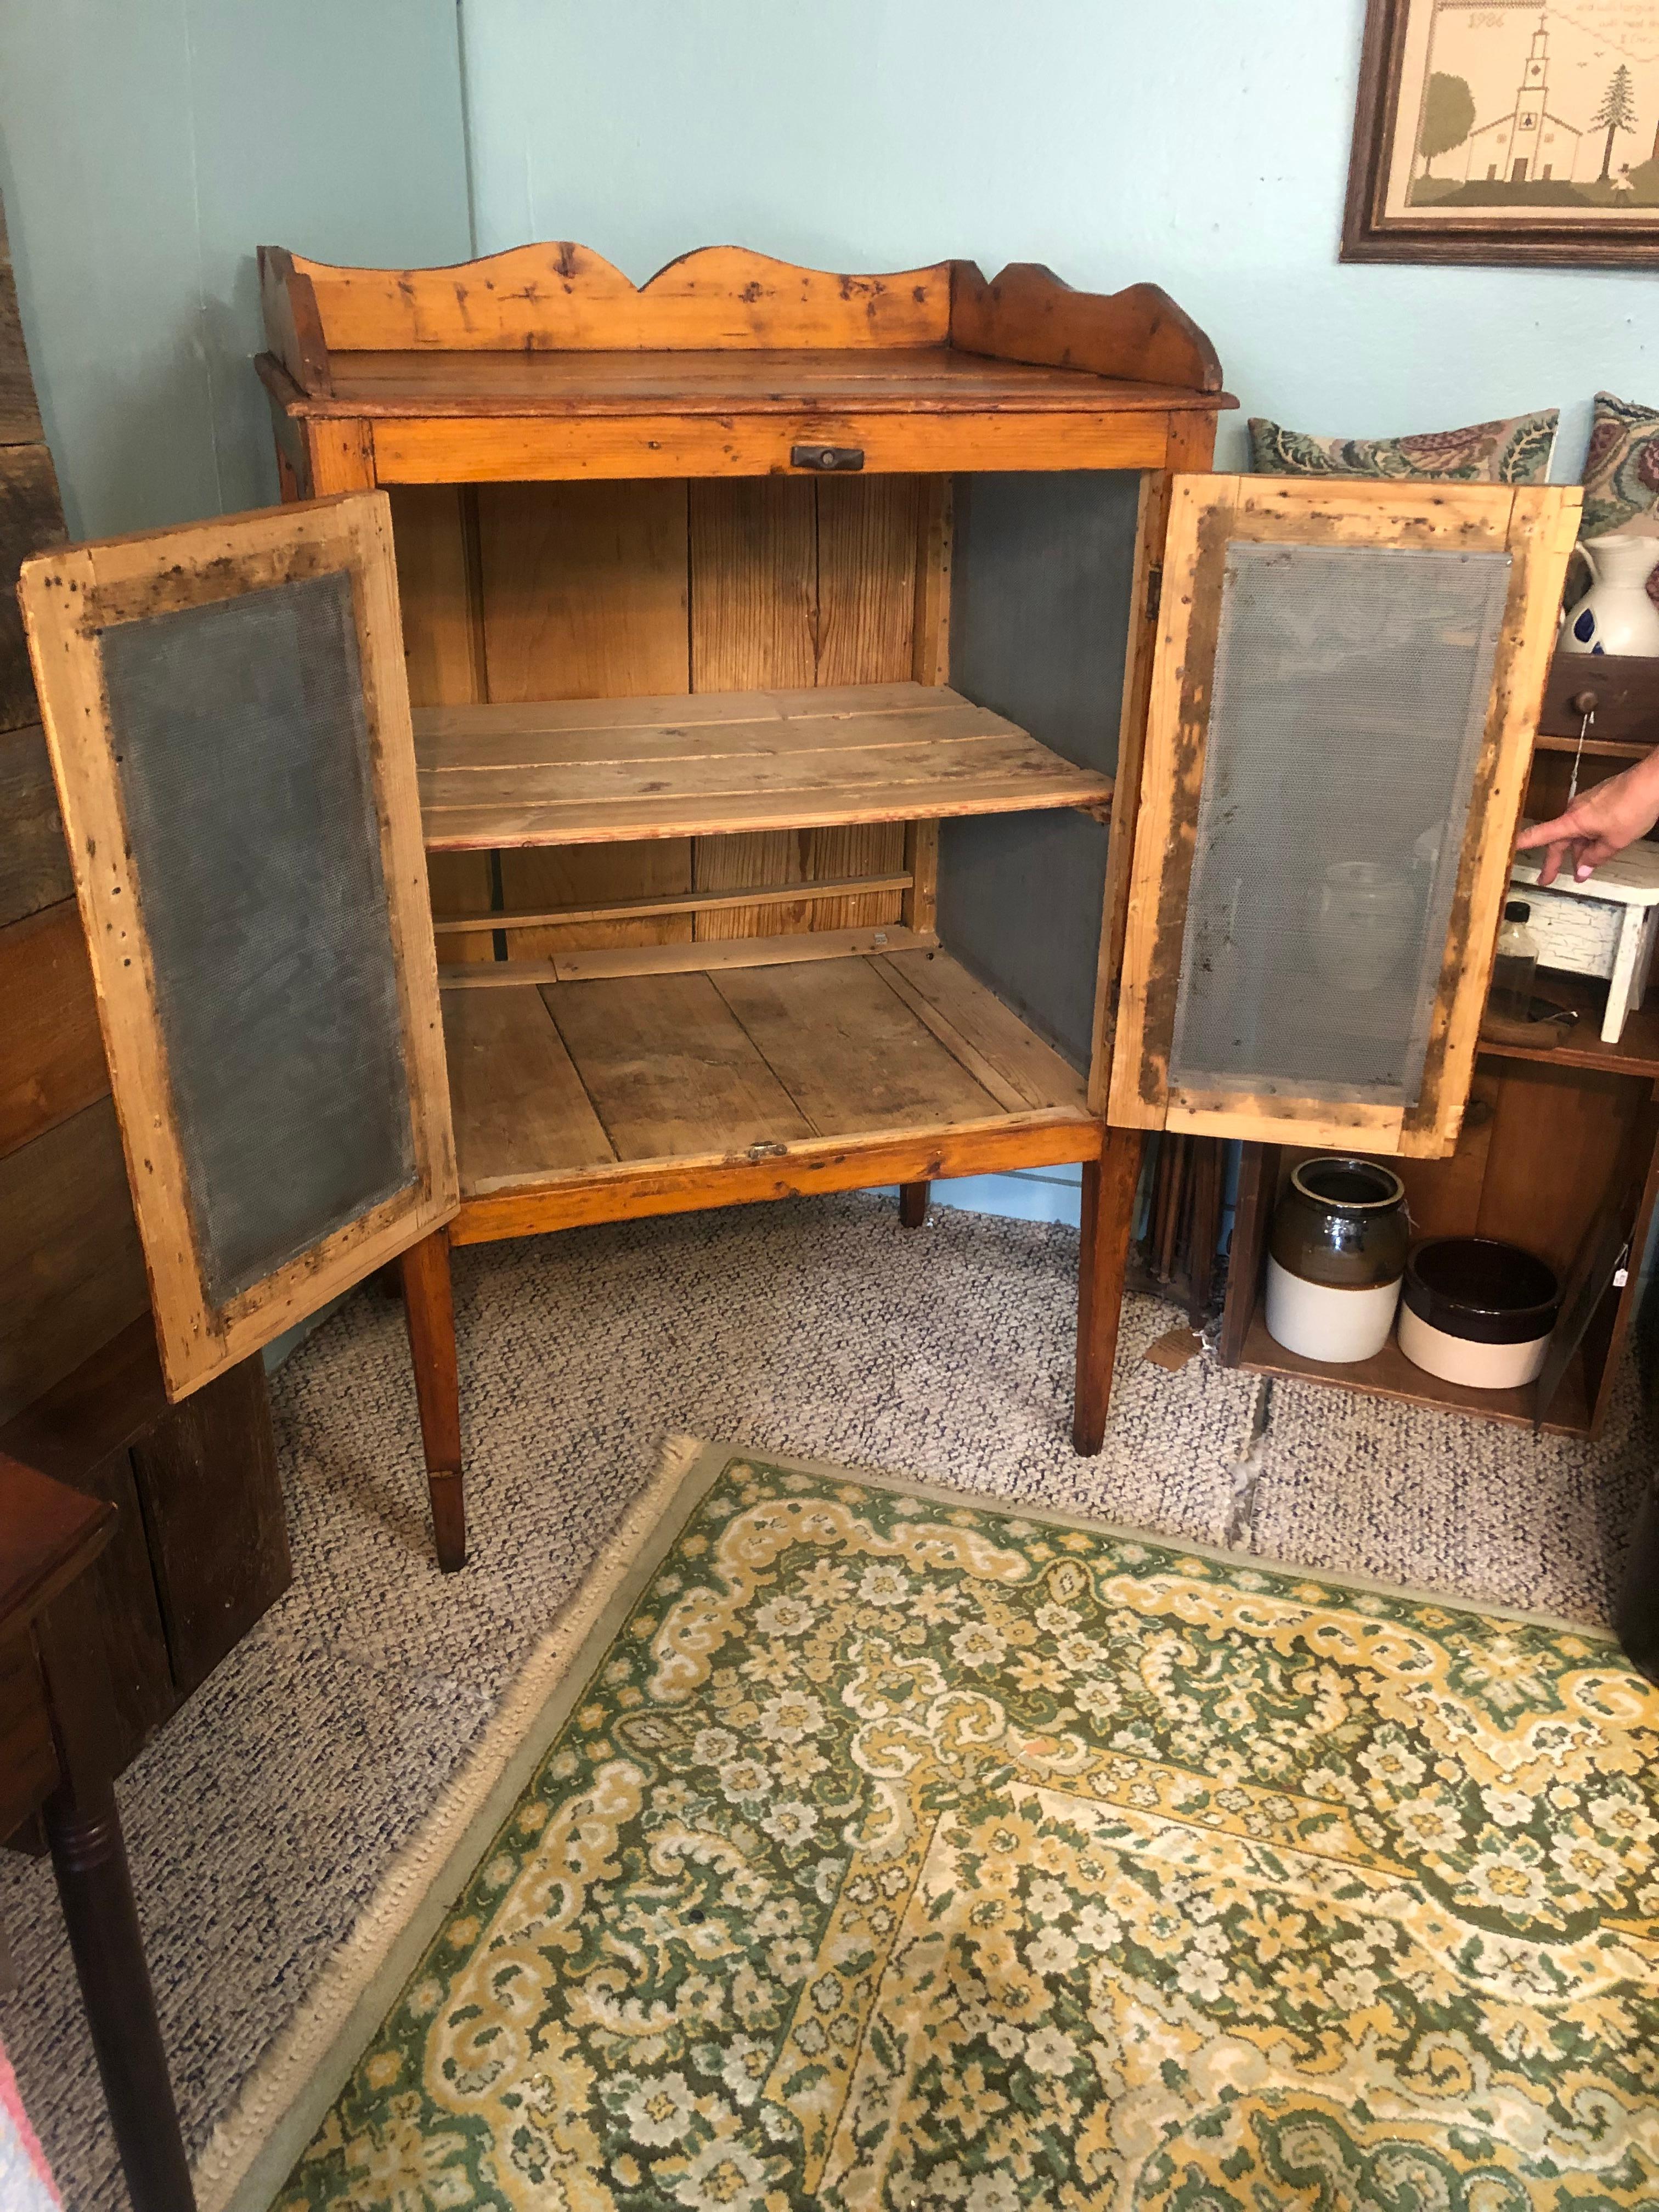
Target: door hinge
1154,593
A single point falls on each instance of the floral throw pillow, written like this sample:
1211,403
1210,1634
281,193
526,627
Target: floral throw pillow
1516,451
1621,471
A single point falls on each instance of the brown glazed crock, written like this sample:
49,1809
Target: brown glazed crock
1342,1222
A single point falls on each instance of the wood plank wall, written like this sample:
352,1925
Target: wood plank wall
579,590
73,1275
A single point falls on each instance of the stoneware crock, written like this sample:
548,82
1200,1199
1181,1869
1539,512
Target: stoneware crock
1335,1258
1478,1312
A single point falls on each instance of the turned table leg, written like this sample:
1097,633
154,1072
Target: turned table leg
430,1311
89,1855
913,1203
1109,1212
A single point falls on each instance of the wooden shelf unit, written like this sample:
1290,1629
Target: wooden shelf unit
776,641
1550,1140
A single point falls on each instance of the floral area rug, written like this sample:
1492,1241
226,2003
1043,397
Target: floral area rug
884,1849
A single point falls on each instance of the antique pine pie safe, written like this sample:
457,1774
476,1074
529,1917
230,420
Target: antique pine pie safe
854,742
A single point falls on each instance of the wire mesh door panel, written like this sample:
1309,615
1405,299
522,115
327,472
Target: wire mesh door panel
275,981
1351,690
1341,710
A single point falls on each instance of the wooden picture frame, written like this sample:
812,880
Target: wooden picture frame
73,601
1210,516
1530,177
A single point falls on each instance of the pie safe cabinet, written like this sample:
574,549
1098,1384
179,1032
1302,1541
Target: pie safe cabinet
780,648
775,641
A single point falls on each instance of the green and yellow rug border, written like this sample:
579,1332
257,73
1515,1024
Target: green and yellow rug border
281,2109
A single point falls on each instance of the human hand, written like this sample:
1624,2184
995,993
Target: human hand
1599,823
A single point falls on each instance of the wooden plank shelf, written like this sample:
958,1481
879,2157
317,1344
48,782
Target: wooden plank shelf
1636,1052
596,771
1391,1374
566,1094
1619,749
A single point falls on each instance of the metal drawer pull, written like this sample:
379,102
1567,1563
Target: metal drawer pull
826,457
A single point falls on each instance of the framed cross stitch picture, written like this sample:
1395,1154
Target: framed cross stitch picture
1506,131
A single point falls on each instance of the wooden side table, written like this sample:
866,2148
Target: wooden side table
56,1756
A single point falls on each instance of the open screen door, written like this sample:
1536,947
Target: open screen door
1346,681
229,720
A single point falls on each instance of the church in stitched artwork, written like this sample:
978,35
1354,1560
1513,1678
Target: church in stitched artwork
1531,141
1521,105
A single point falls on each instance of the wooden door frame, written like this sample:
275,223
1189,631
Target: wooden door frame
69,597
1535,525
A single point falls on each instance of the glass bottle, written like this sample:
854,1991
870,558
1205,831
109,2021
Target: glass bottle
1515,963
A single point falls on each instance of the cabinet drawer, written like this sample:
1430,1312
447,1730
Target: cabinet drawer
509,449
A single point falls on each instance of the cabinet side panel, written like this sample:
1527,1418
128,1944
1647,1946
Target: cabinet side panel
1042,576
1042,585
1019,904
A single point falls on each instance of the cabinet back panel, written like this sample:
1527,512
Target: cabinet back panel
1042,586
277,991
584,594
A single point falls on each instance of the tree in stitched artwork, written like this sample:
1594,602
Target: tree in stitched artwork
1448,118
1617,113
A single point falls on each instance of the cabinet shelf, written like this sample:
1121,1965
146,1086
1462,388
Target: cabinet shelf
1391,1374
1621,749
598,771
816,1075
1636,1052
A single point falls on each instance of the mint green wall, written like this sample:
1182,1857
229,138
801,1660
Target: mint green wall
146,148
1200,143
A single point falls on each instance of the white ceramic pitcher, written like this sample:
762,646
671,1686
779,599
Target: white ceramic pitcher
1615,615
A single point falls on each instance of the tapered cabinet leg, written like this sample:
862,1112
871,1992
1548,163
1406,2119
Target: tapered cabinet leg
1109,1212
913,1203
429,1309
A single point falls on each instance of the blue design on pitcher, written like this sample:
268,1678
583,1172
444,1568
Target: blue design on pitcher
1584,628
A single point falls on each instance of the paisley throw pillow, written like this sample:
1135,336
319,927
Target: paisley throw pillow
1516,451
1621,470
